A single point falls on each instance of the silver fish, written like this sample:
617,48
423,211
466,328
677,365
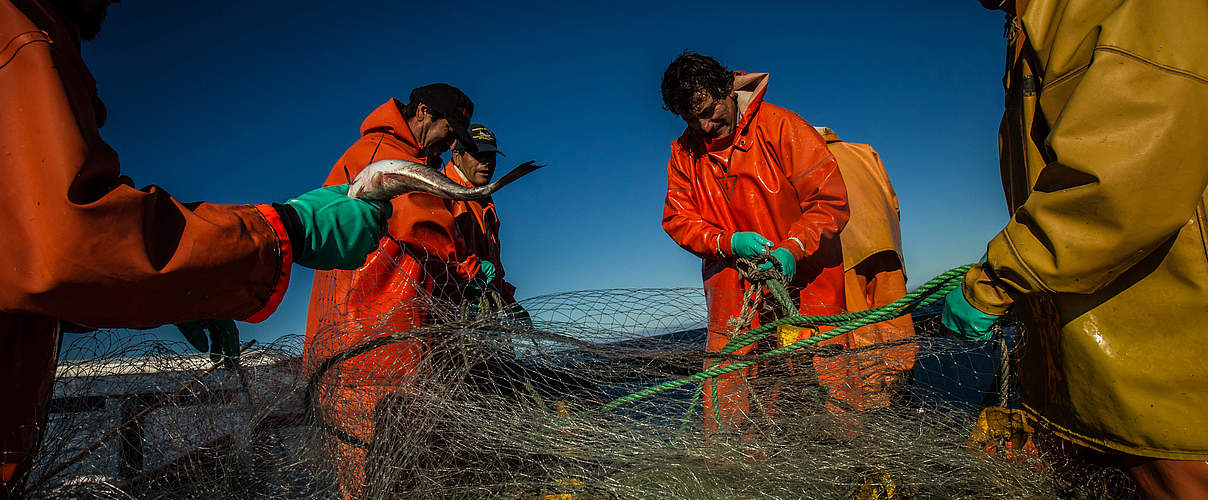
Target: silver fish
385,179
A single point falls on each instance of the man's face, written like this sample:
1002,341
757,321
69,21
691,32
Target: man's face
436,134
477,167
712,118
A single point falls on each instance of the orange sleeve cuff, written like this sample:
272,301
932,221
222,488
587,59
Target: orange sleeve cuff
287,260
469,268
723,243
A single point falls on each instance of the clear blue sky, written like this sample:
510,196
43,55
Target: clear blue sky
252,102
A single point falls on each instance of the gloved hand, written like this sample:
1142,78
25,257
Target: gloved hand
965,320
786,261
329,230
747,244
223,342
519,315
486,271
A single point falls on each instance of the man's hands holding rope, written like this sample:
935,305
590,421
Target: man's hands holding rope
747,245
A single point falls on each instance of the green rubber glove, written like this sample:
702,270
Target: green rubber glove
223,341
786,261
965,320
486,271
337,231
747,244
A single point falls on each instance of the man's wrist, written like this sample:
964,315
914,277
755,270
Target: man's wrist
292,224
986,293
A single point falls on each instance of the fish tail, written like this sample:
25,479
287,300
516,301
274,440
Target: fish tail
516,173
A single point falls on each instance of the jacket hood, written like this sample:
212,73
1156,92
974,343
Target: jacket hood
828,135
750,88
388,119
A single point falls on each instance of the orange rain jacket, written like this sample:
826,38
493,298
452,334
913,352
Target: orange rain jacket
774,176
422,257
81,244
479,226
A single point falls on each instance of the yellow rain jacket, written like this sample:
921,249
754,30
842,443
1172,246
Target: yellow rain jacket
1104,150
873,268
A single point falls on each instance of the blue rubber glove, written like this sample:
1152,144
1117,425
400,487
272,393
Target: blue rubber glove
329,230
965,320
223,341
746,244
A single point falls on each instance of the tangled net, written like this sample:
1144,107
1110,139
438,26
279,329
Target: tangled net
501,406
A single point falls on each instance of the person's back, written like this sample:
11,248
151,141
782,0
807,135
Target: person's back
873,272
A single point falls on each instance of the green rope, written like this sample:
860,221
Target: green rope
930,292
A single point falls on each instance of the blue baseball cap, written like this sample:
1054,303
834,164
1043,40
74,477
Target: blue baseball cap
483,138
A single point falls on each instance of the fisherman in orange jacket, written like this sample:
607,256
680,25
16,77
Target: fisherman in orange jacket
749,178
81,245
477,219
421,265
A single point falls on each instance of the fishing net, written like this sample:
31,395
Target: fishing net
483,400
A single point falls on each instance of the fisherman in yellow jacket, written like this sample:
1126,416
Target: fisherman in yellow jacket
1104,157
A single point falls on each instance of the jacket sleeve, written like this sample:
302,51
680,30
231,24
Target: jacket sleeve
424,223
683,222
814,174
80,244
1131,166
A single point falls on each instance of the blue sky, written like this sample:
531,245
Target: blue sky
252,102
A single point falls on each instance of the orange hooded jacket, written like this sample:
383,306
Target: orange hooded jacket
774,176
422,257
479,226
81,244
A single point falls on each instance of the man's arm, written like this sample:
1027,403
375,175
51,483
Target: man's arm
82,245
683,222
1131,166
814,173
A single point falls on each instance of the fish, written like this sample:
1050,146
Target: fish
385,179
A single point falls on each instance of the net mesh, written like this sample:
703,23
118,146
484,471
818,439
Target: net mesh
486,401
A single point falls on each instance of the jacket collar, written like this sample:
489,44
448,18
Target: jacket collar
454,173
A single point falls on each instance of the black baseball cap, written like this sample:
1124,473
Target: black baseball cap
451,103
482,137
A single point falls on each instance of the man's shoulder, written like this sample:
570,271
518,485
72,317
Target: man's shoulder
771,113
685,145
23,25
376,146
367,149
13,23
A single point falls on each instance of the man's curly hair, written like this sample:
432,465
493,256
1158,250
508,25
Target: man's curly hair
689,74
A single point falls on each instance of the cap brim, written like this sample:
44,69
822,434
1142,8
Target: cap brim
462,133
